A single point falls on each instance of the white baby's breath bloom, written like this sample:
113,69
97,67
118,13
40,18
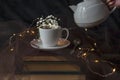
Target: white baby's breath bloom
49,22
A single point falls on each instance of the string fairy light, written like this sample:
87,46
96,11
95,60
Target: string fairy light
10,43
113,69
81,53
21,35
33,32
28,31
102,75
88,51
84,53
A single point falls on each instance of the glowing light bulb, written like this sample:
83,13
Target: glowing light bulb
86,29
95,44
20,35
92,49
84,54
114,70
96,61
14,34
11,49
33,32
28,31
79,48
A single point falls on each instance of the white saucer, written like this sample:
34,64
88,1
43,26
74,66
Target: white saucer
62,43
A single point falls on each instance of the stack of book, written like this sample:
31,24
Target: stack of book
51,68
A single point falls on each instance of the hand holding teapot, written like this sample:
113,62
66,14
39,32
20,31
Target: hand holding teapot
113,3
90,13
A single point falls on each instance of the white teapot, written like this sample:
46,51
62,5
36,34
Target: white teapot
90,13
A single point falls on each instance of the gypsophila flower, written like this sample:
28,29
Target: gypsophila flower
48,22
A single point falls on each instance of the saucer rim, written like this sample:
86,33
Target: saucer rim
32,43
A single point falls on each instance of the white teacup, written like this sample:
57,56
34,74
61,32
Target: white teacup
50,37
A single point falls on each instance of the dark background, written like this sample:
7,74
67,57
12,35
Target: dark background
16,15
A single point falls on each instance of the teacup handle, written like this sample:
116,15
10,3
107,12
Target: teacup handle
67,32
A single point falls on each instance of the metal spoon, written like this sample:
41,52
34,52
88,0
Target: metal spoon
76,43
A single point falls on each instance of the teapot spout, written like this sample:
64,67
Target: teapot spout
73,8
